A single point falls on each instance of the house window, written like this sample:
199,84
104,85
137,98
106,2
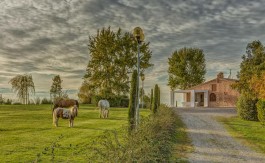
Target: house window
213,87
212,97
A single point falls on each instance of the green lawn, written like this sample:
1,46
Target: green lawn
26,131
249,132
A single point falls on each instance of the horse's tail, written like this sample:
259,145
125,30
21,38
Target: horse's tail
53,109
76,110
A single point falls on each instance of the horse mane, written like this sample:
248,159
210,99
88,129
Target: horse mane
74,111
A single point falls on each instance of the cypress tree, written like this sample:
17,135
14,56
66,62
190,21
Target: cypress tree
155,100
151,99
132,102
158,101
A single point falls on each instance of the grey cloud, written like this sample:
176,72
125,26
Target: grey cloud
18,33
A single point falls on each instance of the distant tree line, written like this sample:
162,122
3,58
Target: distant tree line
23,85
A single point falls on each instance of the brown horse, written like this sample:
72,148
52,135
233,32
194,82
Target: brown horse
65,103
65,114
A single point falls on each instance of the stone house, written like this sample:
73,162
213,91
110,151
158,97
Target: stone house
214,93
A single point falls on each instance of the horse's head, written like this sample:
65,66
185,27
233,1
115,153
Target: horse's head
74,110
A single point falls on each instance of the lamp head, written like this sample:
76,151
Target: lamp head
138,34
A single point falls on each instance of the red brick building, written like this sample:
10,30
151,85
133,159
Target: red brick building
213,93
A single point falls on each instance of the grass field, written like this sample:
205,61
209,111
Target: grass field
251,133
27,130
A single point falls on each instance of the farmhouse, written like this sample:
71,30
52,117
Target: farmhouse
213,93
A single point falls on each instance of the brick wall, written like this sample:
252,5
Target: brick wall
225,95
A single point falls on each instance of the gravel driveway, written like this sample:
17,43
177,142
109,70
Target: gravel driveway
212,143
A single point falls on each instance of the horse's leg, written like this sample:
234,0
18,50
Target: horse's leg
56,122
70,122
101,113
107,113
55,119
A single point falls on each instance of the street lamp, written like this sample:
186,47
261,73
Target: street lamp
142,78
139,36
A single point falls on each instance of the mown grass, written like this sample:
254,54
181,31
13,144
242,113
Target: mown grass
251,133
27,133
27,130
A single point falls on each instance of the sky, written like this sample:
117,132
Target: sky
45,38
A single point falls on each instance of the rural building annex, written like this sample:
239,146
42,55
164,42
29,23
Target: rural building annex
214,93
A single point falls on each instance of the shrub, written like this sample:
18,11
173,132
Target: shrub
261,111
246,108
8,102
45,101
124,102
115,101
152,141
37,101
16,103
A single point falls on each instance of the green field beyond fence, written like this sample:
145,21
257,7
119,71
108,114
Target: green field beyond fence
26,132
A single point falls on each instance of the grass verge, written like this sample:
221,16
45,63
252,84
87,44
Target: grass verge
183,145
250,133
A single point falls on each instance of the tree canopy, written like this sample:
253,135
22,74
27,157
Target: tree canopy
85,93
252,65
23,85
113,55
186,68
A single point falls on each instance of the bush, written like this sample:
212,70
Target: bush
116,101
16,103
37,101
45,101
246,108
261,111
152,141
8,102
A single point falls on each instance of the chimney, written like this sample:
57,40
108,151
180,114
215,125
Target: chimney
220,75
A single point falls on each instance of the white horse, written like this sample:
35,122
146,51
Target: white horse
103,108
70,114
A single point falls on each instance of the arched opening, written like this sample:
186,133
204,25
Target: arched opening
212,97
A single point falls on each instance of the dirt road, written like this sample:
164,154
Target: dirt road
211,141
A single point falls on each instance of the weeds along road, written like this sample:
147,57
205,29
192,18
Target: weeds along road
211,141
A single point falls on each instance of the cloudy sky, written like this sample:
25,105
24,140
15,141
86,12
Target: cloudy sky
47,37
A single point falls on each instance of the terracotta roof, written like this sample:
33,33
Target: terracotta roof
227,79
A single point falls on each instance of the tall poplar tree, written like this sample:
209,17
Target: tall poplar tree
186,68
56,88
151,99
